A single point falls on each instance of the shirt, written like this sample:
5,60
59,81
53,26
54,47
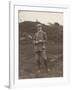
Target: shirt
39,40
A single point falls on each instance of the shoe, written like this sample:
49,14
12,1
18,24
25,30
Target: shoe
48,70
38,71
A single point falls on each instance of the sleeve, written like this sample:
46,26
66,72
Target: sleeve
34,38
45,37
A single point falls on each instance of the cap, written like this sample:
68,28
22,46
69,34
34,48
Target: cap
39,25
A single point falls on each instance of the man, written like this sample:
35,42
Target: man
40,39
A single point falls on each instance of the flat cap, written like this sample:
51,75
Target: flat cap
39,25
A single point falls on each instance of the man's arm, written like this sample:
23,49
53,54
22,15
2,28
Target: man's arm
34,39
45,37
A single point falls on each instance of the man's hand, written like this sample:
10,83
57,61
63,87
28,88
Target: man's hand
35,42
40,41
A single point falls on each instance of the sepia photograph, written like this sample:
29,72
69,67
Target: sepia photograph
40,44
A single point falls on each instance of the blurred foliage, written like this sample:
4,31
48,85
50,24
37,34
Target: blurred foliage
54,31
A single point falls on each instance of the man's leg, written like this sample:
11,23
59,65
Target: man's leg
45,63
45,60
38,60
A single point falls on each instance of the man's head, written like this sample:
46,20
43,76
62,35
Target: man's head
39,27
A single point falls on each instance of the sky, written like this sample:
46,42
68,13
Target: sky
43,17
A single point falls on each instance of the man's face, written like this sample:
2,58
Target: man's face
39,28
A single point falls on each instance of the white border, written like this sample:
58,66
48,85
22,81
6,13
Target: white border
14,82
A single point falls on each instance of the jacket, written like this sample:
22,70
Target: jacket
39,40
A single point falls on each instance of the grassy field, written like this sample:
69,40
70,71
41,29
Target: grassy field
28,65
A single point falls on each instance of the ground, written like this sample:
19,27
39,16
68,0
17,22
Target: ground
28,66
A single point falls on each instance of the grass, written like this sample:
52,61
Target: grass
28,65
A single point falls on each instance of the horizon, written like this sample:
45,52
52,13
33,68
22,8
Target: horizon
41,23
